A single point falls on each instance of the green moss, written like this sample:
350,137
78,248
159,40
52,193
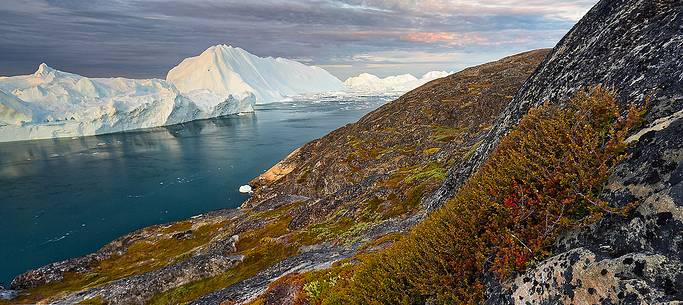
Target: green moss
98,300
253,238
445,134
430,151
315,288
431,171
267,254
331,230
412,201
262,248
142,256
355,232
472,150
178,227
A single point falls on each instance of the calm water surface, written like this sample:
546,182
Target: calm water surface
63,198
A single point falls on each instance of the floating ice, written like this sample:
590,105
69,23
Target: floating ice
245,189
367,82
50,103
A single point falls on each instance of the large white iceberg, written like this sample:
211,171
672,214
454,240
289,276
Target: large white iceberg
367,82
51,103
221,80
225,70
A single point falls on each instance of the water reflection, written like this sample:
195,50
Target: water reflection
66,197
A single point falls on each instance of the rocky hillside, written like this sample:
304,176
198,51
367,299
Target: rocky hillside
349,192
634,47
399,152
631,255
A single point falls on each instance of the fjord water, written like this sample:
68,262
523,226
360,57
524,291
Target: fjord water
63,198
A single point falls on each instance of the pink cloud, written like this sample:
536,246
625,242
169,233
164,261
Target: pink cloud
447,38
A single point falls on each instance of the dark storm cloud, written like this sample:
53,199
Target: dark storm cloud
138,38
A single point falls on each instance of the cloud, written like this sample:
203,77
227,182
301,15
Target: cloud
144,38
566,9
448,38
393,57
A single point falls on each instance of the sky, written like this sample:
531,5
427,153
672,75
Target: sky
145,38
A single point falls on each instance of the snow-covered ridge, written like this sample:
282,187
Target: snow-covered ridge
366,82
225,70
50,103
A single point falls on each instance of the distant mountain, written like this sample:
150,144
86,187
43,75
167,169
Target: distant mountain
50,103
367,82
227,70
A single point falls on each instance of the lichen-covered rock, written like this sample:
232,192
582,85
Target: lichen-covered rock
285,293
139,289
580,276
634,47
6,294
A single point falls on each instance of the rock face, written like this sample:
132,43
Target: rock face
636,48
140,288
7,294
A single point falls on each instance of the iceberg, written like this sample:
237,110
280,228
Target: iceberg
50,103
367,82
245,189
222,80
224,70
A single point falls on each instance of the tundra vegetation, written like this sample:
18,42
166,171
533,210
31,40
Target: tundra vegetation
544,177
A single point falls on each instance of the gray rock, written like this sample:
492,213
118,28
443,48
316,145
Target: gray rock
636,48
632,46
139,289
6,294
54,272
309,258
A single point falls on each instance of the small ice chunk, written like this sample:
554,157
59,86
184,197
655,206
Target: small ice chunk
245,189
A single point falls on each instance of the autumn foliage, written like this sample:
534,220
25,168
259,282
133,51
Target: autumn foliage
543,178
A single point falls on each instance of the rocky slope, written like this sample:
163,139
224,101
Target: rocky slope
393,156
634,47
348,192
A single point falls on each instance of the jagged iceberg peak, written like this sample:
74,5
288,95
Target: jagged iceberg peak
228,70
44,71
225,48
43,68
